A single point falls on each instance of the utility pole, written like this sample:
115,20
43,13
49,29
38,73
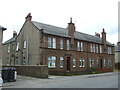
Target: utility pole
1,38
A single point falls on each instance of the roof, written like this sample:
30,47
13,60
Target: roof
117,47
2,28
10,40
50,29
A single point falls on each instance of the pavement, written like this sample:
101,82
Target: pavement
22,80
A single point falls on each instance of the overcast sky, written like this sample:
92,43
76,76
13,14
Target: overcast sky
89,16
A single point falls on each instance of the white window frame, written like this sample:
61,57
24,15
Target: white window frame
8,49
51,61
82,46
54,42
101,49
78,46
74,62
17,46
96,48
49,42
61,43
68,44
24,44
91,48
61,62
109,63
104,62
91,62
82,62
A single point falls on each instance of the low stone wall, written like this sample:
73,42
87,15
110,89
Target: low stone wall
40,71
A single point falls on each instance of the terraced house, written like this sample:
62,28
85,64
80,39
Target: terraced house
62,49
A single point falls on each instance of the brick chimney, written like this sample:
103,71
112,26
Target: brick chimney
14,34
71,30
28,17
103,37
97,34
104,40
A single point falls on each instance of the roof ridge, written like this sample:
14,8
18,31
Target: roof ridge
49,25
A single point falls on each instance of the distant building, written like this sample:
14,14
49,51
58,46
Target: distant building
62,49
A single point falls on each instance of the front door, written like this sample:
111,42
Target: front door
68,63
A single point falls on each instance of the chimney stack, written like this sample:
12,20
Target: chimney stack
29,17
103,37
97,34
71,31
71,28
14,34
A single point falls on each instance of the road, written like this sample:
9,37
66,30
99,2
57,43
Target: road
106,80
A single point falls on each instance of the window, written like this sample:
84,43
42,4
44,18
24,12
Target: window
51,61
104,63
96,48
61,61
91,63
68,44
109,62
79,46
17,46
109,50
8,50
91,48
74,62
82,62
24,44
49,42
61,44
100,48
54,42
97,62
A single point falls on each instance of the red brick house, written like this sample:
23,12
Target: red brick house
62,49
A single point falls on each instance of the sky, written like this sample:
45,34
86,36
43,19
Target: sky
89,16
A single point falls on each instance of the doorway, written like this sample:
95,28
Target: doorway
68,63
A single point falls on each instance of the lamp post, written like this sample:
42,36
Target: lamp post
1,38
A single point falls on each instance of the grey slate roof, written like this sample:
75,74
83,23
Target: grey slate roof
10,41
117,47
50,29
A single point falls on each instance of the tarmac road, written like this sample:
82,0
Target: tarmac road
104,80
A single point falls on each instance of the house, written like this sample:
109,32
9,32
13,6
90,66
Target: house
117,54
62,49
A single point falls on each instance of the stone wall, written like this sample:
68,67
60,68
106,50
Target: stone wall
40,71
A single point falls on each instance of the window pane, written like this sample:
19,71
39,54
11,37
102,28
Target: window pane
96,48
74,62
25,44
51,61
68,45
100,48
78,46
17,47
54,42
81,46
49,42
61,44
61,61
